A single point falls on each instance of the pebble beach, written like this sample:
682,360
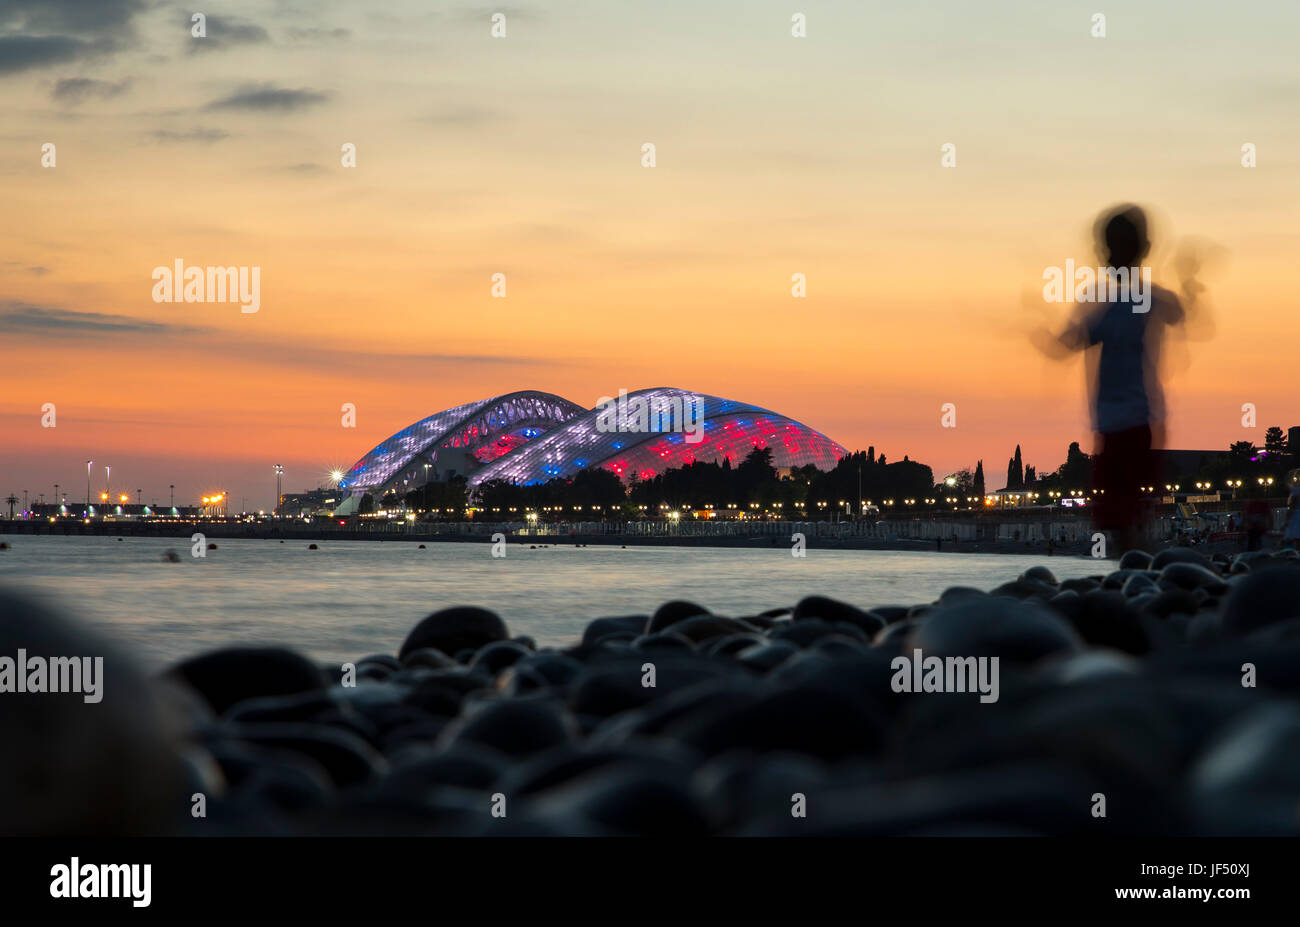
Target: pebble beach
1157,696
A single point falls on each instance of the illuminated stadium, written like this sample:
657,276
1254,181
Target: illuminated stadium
456,442
532,437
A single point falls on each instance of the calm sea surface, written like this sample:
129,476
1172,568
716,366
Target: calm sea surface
351,598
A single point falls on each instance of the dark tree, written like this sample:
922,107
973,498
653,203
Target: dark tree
1240,453
1076,472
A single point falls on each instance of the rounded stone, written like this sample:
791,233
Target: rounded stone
1170,555
890,613
1017,632
451,630
498,655
102,761
672,612
1247,780
516,727
429,657
1106,619
814,720
347,758
1264,596
602,627
767,655
669,641
819,606
232,674
617,686
1040,573
1171,601
701,628
1192,576
954,594
626,799
1135,560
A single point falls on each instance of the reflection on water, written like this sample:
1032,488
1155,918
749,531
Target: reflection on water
350,598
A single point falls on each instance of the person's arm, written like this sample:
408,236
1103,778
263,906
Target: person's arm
1078,334
1168,308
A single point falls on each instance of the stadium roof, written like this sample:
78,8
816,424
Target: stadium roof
727,429
532,437
476,433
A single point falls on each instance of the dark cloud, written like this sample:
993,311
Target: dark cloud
270,99
200,135
77,90
227,32
20,52
381,365
36,270
218,346
27,318
305,167
78,17
39,33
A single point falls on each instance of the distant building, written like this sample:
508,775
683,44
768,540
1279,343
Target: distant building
1179,464
115,510
309,504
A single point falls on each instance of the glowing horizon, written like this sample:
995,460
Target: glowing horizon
522,156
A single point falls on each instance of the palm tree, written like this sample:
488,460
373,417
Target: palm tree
12,501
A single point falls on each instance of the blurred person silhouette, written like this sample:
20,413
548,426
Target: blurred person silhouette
1291,536
1122,337
1257,514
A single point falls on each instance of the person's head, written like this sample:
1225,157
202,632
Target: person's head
1122,236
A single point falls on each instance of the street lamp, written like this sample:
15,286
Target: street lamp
279,475
89,464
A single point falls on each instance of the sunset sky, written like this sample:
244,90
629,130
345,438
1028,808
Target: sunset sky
523,155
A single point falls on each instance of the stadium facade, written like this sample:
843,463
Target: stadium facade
531,437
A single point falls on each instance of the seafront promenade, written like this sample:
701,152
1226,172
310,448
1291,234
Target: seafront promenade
962,531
